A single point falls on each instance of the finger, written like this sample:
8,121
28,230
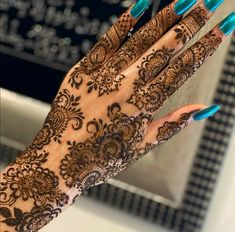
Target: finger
161,130
112,39
184,66
108,44
146,36
159,55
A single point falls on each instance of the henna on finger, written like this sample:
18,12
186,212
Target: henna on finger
103,50
107,79
164,85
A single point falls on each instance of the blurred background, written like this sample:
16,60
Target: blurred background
186,187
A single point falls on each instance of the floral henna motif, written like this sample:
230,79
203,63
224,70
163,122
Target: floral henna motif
100,53
169,129
65,108
183,67
110,147
191,24
29,221
106,79
28,180
152,64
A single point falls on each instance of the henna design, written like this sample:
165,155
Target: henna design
107,79
191,24
29,221
100,53
64,109
176,74
152,64
109,149
28,180
169,129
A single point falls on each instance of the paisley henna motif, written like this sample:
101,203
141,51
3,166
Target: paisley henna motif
65,109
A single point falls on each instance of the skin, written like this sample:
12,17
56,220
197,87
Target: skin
101,120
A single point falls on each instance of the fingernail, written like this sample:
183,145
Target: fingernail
228,24
183,5
212,5
139,8
205,113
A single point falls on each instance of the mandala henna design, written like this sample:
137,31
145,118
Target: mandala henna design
100,53
110,147
65,108
191,24
29,221
183,67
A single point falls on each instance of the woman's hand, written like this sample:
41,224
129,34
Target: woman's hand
101,120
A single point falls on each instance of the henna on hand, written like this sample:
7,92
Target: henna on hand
87,139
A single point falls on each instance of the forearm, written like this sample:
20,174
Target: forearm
32,190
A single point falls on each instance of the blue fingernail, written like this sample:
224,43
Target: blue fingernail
227,26
183,5
208,112
139,8
212,5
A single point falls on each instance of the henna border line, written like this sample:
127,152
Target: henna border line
192,213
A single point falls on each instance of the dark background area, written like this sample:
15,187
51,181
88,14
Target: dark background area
34,78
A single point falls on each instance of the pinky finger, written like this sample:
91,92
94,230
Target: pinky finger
163,129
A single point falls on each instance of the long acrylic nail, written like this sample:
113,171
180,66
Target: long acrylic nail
212,5
205,113
139,8
183,5
227,26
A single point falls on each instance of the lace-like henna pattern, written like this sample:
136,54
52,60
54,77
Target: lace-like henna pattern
191,24
29,221
65,108
175,74
28,180
99,54
110,148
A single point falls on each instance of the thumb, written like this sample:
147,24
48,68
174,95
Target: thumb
162,129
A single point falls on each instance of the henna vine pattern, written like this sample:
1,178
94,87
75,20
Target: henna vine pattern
109,149
29,221
65,108
183,67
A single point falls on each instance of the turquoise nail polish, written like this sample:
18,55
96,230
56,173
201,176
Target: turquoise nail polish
228,24
208,112
183,5
212,5
139,8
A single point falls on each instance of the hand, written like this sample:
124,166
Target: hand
101,120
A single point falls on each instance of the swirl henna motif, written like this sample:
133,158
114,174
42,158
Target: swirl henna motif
29,221
110,148
65,108
183,67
